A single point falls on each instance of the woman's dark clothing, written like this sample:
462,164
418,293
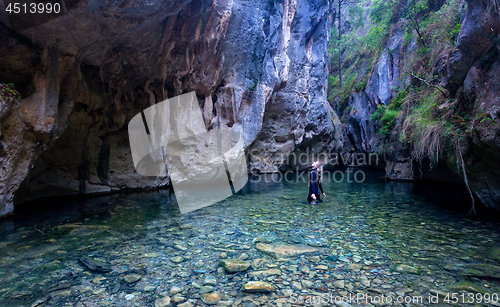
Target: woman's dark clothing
315,186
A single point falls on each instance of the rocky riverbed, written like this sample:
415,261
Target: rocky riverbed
260,247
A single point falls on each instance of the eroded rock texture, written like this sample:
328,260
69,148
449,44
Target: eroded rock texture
258,67
297,114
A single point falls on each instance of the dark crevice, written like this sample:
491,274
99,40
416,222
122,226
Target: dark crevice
103,163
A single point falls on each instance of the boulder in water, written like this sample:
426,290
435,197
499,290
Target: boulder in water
95,265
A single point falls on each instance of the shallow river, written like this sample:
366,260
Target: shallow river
369,243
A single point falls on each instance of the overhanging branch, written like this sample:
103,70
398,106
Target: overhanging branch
431,85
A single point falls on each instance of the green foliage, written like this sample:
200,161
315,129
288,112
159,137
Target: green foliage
386,118
374,40
356,16
380,9
408,35
251,88
431,124
361,85
454,32
8,92
346,49
387,115
484,117
398,100
416,9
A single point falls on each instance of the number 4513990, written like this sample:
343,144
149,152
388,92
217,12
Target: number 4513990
471,298
33,8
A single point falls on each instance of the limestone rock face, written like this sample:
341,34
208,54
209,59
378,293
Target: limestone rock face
386,75
297,114
259,68
479,34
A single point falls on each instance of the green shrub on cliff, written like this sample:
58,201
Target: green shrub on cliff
387,115
432,123
386,118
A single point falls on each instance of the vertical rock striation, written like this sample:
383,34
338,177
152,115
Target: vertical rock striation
297,114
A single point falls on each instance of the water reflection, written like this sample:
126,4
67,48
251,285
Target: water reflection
390,237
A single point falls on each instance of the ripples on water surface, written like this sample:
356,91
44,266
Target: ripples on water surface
375,238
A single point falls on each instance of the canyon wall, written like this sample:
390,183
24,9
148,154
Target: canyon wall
473,76
258,67
470,74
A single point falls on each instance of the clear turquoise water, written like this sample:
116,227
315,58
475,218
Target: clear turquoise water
377,225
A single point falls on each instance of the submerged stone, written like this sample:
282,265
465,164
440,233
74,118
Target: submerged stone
404,268
95,265
175,290
315,259
441,294
467,286
483,270
162,302
131,278
177,259
206,289
332,258
149,288
210,281
257,287
256,263
266,273
210,298
243,256
281,250
307,284
234,265
296,286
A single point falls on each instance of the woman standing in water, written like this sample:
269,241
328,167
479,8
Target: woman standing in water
315,187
